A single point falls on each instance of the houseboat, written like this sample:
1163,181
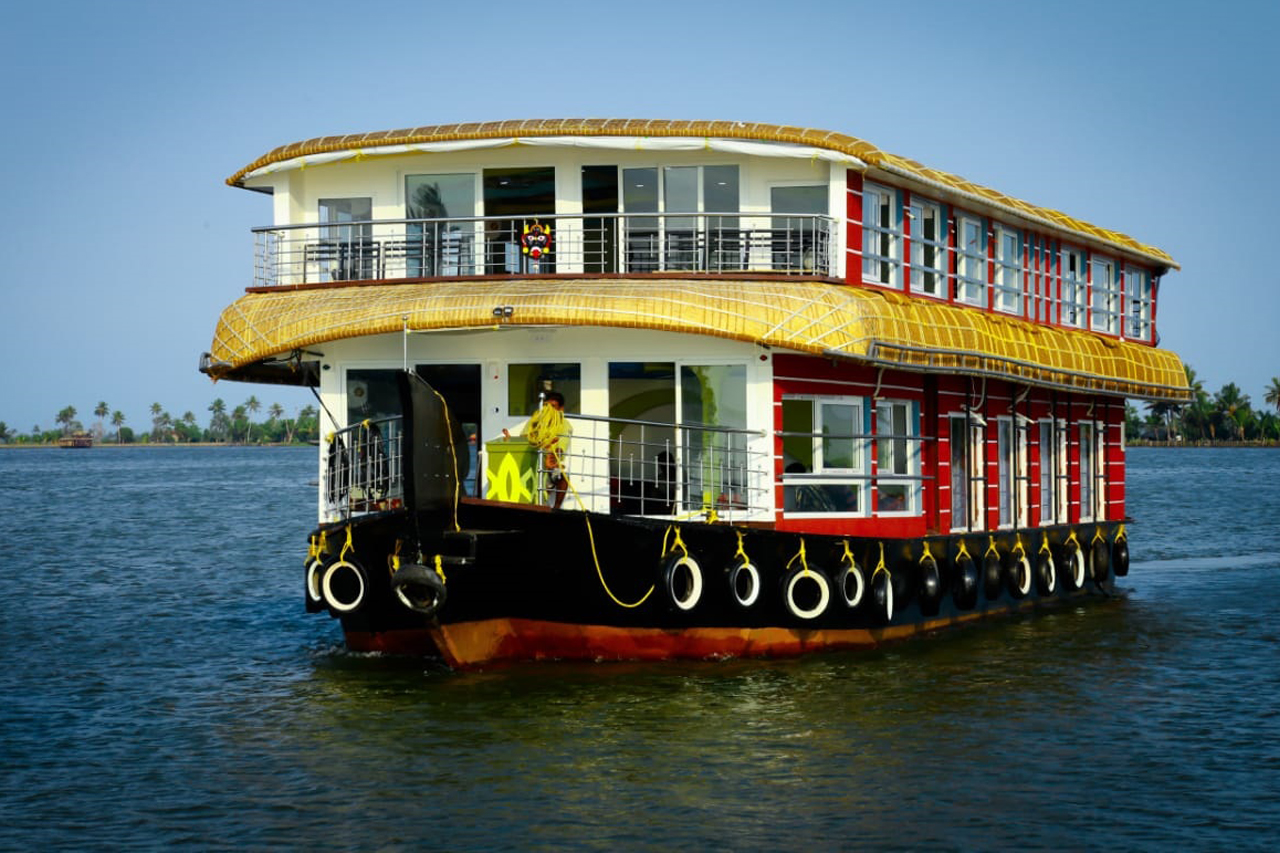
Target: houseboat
635,389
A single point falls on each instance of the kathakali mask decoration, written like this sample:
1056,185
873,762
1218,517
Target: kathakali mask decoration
535,241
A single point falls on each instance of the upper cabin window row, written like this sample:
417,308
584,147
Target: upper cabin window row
930,249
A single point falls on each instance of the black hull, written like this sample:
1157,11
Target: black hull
523,583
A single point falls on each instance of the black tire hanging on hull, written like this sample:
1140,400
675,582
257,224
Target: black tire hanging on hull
1120,557
930,586
964,590
992,575
419,588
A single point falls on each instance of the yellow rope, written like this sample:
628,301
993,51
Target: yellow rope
544,428
592,537
1120,534
595,557
804,562
1073,540
347,547
881,567
453,458
927,555
741,552
440,569
1044,544
1097,535
1017,546
963,554
848,555
312,553
395,557
991,548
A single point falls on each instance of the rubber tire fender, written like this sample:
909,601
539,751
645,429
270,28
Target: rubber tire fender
930,586
964,590
419,588
1120,557
1046,574
851,573
1073,563
992,576
881,598
346,604
314,574
1019,575
799,575
675,569
744,572
1101,561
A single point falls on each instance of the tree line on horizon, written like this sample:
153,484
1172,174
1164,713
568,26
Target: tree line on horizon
1227,416
225,426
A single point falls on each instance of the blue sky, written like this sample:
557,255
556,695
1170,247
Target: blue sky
122,120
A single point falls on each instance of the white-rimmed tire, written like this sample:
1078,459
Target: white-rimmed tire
344,586
744,583
806,593
682,580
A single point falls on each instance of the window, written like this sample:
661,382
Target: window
968,481
1138,300
1043,297
1008,284
1011,463
526,383
881,236
822,446
897,458
673,243
1086,472
438,247
799,242
971,273
1053,472
1105,313
928,248
1074,288
346,252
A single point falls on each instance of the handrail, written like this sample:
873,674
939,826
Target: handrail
603,243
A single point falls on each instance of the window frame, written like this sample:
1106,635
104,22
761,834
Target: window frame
966,261
1074,304
1139,303
856,476
1104,296
1008,272
881,242
918,268
907,446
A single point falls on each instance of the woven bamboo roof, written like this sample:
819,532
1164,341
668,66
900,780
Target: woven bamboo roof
803,316
363,144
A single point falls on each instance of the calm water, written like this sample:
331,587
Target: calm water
161,684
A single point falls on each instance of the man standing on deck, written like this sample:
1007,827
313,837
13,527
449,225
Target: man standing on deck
549,432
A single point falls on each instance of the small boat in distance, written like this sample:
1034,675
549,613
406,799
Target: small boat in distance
631,389
76,439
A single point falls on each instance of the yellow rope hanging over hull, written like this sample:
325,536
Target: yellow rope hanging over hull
802,316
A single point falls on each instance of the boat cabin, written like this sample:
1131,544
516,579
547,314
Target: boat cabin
769,325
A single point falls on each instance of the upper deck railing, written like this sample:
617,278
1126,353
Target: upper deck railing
655,243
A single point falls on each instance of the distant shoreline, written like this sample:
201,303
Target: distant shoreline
149,445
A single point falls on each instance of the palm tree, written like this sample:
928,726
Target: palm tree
1272,397
252,406
5,433
1231,406
218,423
100,411
117,421
66,417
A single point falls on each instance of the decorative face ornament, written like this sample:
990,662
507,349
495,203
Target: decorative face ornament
535,241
